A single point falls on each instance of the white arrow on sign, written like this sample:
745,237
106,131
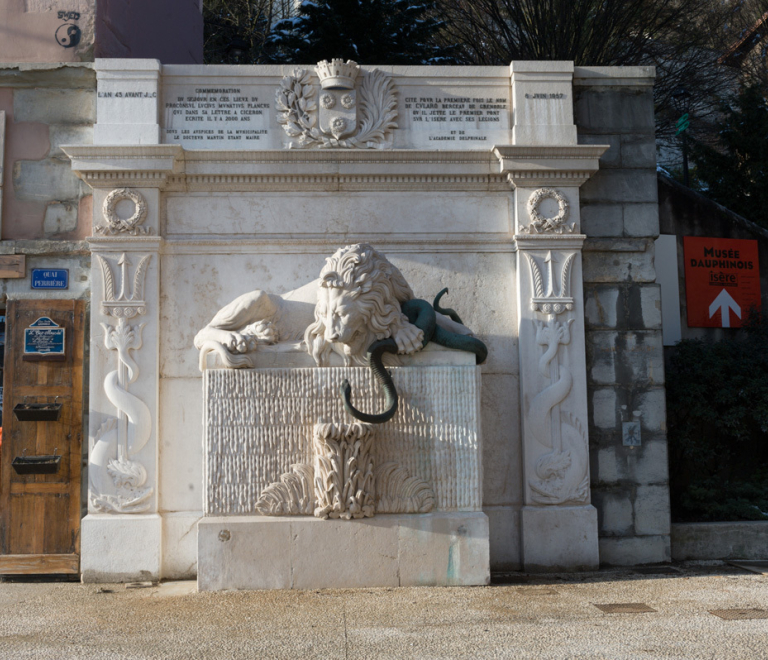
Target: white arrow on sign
724,302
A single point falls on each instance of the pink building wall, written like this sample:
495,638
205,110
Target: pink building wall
79,30
47,30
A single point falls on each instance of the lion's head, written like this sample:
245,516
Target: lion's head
358,302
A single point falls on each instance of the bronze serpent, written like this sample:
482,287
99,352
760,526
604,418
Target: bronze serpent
423,315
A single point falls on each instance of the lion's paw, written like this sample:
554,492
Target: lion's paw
261,332
236,342
409,339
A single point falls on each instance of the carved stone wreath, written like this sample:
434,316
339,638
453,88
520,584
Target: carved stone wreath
297,102
131,225
542,225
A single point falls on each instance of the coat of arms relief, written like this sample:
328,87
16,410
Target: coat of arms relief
353,109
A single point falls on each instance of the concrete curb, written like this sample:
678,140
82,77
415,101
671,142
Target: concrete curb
720,540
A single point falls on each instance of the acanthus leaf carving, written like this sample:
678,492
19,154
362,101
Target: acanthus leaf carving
396,491
125,304
343,466
292,495
399,492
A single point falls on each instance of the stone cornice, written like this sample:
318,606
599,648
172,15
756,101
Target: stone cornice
175,169
531,166
124,243
106,166
321,243
549,241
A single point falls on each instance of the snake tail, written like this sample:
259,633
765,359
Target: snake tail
447,311
375,353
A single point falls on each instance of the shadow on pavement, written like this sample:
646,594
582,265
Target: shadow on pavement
615,573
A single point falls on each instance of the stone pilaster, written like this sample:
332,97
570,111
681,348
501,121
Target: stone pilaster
127,107
122,531
542,103
123,433
559,525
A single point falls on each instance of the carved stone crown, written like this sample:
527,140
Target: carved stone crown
337,74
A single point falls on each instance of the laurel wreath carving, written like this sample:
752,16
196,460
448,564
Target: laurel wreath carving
542,225
116,225
297,112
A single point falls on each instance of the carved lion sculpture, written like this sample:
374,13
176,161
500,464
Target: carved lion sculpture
356,300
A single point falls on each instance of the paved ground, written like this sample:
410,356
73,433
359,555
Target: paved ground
529,617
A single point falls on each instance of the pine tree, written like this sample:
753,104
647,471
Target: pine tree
236,30
735,173
366,31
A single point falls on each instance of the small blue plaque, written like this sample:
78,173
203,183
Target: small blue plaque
50,278
630,434
44,337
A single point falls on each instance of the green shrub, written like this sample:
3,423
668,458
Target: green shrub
717,407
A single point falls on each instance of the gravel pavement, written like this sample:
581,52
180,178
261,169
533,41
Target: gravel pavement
527,617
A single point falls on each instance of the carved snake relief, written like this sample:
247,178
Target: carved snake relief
139,428
551,336
562,471
423,315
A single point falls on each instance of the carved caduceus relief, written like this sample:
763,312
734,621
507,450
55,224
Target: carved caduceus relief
116,479
562,473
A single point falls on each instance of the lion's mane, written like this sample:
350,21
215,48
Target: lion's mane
379,289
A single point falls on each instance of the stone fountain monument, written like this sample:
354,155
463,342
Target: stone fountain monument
304,490
335,425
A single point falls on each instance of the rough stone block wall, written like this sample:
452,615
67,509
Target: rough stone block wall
46,107
625,357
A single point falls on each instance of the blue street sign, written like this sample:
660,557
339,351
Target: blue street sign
50,278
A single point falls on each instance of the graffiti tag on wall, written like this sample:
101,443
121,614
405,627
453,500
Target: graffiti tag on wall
68,34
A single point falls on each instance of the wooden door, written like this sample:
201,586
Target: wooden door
40,513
